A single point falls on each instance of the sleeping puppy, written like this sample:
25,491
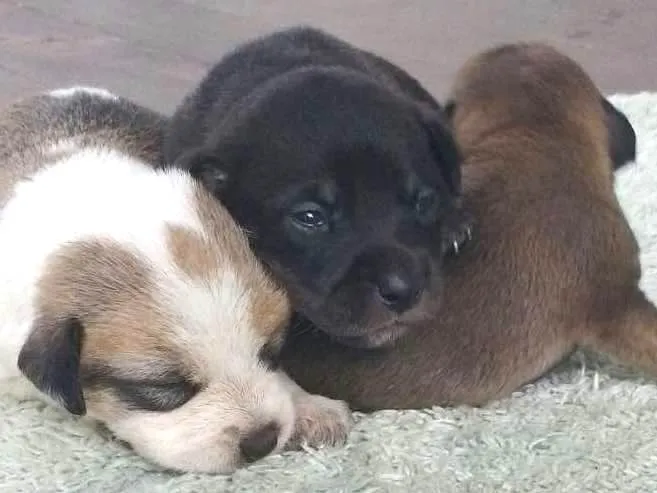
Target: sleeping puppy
553,264
129,295
340,167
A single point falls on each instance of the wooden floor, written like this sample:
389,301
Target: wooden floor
155,50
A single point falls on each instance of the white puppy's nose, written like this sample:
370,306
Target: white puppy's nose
259,442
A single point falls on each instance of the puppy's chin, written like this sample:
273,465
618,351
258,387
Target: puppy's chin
371,325
356,335
379,337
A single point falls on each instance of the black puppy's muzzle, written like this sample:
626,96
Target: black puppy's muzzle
398,291
398,277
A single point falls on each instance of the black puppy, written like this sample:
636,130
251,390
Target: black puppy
341,168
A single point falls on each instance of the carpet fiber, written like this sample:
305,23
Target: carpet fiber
587,426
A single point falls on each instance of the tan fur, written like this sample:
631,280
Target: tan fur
270,308
196,255
191,252
111,289
553,265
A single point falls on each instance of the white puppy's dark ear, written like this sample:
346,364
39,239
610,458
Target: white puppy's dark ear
205,166
50,359
622,138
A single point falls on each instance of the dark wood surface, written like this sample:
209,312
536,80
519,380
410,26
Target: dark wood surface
156,50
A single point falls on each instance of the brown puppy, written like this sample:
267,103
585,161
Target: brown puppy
554,264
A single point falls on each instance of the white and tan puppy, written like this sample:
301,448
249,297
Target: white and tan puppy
129,295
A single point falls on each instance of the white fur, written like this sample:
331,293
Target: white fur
93,194
59,146
69,92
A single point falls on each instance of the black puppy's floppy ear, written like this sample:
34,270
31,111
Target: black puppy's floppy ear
444,149
50,359
448,109
622,139
204,165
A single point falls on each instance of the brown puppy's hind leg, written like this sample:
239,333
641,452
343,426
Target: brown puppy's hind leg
631,338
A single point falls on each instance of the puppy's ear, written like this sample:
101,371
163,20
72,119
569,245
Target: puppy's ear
622,139
205,166
50,359
448,109
444,149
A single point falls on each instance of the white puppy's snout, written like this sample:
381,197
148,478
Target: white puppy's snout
259,441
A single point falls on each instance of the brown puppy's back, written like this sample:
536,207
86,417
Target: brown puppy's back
554,263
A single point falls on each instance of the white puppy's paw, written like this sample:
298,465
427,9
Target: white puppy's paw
320,421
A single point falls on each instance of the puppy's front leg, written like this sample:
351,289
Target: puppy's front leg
630,338
319,420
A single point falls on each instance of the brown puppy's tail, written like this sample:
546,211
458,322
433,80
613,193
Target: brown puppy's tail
632,338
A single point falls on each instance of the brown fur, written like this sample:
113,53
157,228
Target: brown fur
100,285
191,252
110,289
197,256
553,265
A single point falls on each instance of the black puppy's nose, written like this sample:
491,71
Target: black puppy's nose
260,442
397,292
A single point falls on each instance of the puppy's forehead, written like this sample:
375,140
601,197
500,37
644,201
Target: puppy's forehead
245,298
372,169
137,314
224,248
202,253
111,289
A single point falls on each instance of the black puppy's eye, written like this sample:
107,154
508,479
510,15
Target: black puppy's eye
426,205
310,217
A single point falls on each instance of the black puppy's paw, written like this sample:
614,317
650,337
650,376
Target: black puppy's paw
457,232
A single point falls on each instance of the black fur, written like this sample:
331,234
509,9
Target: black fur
622,139
166,390
338,164
50,359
